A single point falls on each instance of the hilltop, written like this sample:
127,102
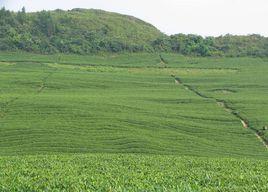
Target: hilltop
75,31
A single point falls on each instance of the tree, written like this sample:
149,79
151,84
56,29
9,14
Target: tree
46,23
21,16
161,44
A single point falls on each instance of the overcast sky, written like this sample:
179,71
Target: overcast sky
203,17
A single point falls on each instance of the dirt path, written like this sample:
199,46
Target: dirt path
44,81
162,60
261,139
223,104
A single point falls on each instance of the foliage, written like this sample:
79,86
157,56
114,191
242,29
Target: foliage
106,172
77,31
82,31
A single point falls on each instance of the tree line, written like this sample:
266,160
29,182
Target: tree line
44,32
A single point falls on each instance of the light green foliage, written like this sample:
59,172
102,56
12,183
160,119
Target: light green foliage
104,172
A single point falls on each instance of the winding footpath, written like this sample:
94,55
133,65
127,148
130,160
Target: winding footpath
226,107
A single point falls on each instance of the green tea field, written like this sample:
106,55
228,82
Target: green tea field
109,172
133,122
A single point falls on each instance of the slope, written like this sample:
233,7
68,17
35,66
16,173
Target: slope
114,104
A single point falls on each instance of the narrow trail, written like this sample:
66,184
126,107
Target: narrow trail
44,81
162,60
245,123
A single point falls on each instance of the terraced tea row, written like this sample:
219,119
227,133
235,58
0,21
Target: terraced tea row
126,109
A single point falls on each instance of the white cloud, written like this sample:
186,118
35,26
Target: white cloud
204,17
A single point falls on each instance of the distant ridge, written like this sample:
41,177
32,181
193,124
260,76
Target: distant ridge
86,31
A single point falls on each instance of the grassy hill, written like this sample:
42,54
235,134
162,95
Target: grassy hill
76,31
113,29
116,26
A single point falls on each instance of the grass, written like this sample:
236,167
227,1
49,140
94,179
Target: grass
52,106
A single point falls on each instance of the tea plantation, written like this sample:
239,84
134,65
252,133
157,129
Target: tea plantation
133,122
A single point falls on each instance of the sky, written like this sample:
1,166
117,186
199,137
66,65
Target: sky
202,17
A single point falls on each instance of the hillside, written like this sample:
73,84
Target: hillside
83,31
132,103
75,31
132,122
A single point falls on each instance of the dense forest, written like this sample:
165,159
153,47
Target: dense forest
83,31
